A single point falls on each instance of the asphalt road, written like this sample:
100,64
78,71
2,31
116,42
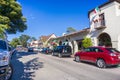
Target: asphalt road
37,66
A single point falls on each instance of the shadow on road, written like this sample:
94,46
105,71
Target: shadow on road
21,54
25,71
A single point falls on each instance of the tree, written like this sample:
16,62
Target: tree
86,42
32,39
23,40
70,29
4,21
11,17
15,42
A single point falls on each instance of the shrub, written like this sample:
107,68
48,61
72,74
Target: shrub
86,42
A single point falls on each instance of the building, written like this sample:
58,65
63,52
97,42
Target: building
105,25
103,31
34,43
45,40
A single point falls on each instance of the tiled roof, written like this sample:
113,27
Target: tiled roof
45,38
77,32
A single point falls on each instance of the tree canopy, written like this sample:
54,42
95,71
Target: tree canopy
70,29
11,17
15,42
32,39
23,40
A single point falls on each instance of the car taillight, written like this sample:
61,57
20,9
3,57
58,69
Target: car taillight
112,54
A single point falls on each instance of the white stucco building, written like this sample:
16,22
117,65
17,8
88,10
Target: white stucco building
104,28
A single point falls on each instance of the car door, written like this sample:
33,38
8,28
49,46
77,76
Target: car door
84,54
92,54
89,54
96,52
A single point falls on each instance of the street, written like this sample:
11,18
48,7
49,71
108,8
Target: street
37,66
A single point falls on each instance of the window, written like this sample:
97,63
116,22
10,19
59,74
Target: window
97,50
87,50
102,19
67,49
3,45
112,50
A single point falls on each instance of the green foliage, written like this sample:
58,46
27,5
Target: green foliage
32,39
15,42
23,40
86,42
11,17
70,30
4,24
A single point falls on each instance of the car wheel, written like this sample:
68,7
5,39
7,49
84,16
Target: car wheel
52,54
9,73
101,63
77,58
59,55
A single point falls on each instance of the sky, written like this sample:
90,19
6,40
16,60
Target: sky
45,17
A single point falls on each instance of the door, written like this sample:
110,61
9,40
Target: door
85,54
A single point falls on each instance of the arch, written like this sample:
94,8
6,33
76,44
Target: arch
104,39
60,42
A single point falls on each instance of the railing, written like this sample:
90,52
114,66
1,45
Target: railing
99,24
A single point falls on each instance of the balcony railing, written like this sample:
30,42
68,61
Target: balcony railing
99,24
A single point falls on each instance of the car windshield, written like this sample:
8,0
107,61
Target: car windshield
3,45
113,50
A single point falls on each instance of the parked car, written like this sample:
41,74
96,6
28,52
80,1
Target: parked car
12,50
19,48
46,50
61,51
37,49
30,49
101,56
6,69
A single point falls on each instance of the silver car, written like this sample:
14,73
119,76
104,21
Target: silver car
5,66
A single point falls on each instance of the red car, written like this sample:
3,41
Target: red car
101,56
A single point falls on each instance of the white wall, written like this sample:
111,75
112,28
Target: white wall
112,20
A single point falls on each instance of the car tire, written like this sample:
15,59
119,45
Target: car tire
53,54
77,58
59,55
9,73
101,63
